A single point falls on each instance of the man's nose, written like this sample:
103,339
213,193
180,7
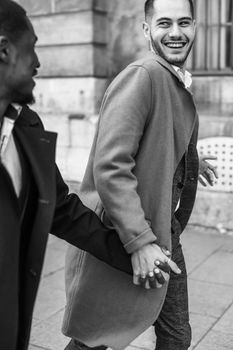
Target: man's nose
175,32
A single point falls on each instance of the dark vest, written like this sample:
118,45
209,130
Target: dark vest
185,185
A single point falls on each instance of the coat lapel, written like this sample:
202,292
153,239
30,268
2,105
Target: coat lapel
39,146
166,65
183,124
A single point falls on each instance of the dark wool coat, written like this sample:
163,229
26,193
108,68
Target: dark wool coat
146,122
49,203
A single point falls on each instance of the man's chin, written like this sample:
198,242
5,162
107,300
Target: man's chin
176,60
25,100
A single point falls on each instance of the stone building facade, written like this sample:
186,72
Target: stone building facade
83,44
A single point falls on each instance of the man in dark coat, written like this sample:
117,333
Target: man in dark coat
34,199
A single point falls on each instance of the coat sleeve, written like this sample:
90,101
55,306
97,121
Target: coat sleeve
123,119
81,227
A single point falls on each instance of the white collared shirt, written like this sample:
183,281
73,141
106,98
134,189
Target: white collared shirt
186,77
8,151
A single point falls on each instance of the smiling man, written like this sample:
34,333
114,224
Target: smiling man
141,178
170,28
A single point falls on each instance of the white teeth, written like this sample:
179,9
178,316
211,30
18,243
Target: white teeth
175,45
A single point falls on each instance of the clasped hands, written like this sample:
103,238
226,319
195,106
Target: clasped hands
151,266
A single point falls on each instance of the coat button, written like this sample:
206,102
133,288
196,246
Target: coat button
191,178
180,185
33,272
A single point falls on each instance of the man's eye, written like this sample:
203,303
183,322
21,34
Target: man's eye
184,23
164,24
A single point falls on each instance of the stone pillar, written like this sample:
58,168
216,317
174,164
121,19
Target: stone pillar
72,45
126,40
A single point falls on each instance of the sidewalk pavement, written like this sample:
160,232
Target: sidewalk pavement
209,258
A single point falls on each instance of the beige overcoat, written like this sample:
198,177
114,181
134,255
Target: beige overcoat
146,121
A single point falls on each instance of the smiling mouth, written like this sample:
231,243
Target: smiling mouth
175,45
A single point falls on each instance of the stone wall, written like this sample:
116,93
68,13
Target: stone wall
83,44
72,49
126,40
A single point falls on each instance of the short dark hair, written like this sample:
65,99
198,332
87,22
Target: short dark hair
13,20
149,8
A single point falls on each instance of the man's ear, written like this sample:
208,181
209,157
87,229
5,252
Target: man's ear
195,26
146,30
4,49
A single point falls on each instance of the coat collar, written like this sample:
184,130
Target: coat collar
165,64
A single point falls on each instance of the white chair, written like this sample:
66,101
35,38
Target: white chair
222,148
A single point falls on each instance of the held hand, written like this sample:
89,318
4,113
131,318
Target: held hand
207,171
146,273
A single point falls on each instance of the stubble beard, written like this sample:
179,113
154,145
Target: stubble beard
171,60
22,98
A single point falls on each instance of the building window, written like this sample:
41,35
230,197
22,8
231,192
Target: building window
213,48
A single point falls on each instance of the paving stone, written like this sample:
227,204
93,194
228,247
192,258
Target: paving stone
53,239
197,247
33,347
200,325
58,244
35,321
54,261
216,269
225,324
54,281
145,341
57,318
216,341
48,303
209,299
48,336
